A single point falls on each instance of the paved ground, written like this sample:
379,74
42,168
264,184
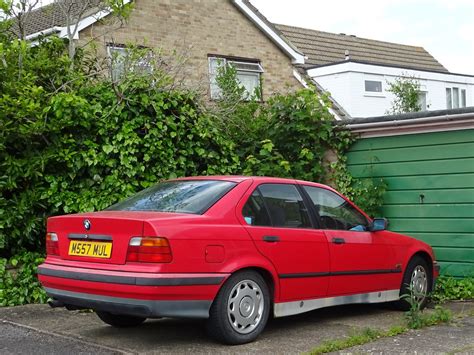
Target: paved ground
41,330
457,338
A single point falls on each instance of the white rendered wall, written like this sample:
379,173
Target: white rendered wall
346,83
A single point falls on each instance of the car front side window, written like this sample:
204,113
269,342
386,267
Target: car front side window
335,212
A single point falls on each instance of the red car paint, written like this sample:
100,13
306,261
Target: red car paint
303,264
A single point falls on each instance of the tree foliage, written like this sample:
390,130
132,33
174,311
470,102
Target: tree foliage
406,90
74,140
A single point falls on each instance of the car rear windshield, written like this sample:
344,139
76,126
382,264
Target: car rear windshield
188,196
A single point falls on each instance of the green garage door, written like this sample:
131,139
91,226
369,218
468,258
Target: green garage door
430,195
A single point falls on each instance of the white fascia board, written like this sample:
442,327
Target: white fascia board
45,32
298,77
84,23
297,58
303,82
388,71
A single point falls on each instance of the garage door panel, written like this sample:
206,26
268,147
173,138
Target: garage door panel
421,153
457,269
412,141
429,211
430,196
446,239
430,189
430,182
454,253
445,166
427,225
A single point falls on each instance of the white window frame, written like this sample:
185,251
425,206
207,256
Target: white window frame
449,98
242,67
116,73
374,93
454,100
463,98
426,106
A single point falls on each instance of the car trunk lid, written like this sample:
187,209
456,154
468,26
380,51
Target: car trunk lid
100,237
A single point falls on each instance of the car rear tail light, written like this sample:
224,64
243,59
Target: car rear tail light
52,246
149,250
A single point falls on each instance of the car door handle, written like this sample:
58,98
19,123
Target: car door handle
338,240
271,238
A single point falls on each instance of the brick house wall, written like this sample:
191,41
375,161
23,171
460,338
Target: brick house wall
195,29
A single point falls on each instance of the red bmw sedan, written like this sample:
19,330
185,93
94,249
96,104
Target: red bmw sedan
232,250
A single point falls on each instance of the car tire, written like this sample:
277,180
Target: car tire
119,320
240,311
419,277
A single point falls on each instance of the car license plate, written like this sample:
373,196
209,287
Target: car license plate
91,249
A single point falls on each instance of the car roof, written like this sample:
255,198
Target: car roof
240,178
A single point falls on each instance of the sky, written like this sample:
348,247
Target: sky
445,28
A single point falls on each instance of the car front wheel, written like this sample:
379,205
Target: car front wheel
416,284
119,320
241,309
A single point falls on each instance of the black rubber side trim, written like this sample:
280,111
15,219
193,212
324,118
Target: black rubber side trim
366,272
129,280
339,273
302,275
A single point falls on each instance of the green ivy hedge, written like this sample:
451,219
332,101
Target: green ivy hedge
70,142
73,140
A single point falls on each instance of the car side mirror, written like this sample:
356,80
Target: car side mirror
379,224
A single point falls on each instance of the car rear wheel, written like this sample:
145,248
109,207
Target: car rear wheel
241,309
119,320
416,284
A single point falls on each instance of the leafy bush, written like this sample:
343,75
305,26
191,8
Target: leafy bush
20,286
449,288
406,91
72,142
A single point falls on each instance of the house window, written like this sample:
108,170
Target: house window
118,57
455,97
422,100
373,86
248,74
449,100
121,60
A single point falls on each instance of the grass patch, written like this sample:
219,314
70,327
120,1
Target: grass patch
357,338
415,319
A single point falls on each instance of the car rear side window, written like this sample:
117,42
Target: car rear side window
334,211
187,196
277,205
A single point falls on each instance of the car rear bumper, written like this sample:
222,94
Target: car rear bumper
132,293
133,307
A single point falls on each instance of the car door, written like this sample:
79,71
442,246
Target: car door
361,261
279,222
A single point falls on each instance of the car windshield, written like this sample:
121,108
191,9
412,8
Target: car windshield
187,196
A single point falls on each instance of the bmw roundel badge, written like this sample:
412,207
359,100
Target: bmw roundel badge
87,224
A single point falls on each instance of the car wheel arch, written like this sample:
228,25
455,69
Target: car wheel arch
425,256
267,275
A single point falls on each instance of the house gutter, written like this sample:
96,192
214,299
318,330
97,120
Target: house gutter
46,32
414,121
439,123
